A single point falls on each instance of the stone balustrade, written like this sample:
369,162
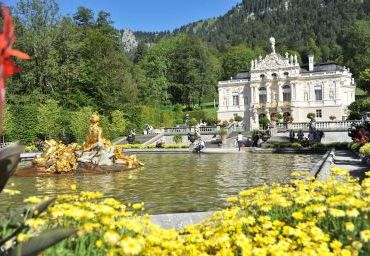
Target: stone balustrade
324,126
186,130
6,144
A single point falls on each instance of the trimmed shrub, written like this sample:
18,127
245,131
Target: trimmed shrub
311,115
356,146
296,145
192,122
177,138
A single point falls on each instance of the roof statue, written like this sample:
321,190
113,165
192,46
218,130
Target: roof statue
272,41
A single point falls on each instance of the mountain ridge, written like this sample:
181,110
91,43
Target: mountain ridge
292,22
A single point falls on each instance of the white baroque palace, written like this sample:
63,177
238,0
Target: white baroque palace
277,84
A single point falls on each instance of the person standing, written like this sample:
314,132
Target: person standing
240,140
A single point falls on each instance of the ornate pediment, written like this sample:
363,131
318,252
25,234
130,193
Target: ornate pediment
273,61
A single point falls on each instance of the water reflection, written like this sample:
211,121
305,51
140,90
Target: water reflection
174,183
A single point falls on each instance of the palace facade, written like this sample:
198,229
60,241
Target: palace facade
279,85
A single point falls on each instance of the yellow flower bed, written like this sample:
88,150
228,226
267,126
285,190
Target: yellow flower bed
304,218
365,149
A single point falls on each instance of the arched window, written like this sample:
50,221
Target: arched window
318,92
263,95
235,99
287,94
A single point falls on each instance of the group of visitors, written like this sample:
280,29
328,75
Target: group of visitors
131,137
312,137
160,143
149,129
253,142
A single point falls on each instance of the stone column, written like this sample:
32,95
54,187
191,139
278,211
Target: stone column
323,91
293,92
268,96
251,100
280,88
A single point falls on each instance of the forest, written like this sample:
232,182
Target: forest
78,64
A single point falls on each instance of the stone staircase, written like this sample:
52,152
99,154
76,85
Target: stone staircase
138,138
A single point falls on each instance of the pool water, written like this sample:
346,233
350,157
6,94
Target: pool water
172,182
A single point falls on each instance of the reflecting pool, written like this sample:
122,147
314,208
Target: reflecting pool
173,182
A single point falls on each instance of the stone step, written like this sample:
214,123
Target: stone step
139,138
278,139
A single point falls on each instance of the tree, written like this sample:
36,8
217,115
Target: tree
237,59
140,52
118,124
357,46
194,71
24,123
364,79
49,119
84,16
35,20
104,19
79,123
8,125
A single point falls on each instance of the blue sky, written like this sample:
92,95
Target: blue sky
150,15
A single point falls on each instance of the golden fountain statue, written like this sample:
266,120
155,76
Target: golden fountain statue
57,157
97,150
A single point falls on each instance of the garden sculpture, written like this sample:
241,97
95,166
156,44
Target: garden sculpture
98,150
57,158
130,161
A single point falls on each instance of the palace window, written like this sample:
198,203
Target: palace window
263,95
318,92
318,113
287,94
235,99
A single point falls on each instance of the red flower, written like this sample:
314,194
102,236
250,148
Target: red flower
7,38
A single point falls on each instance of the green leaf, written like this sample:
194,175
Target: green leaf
37,244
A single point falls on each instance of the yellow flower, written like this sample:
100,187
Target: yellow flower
336,244
11,192
336,212
365,235
357,245
73,187
98,243
131,246
138,206
23,237
35,224
111,237
297,215
232,199
345,252
352,212
349,226
33,200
